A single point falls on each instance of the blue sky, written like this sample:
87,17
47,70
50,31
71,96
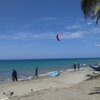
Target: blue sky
28,30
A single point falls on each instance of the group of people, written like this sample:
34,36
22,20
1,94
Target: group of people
15,77
76,66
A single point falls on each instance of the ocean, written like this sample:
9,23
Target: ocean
27,67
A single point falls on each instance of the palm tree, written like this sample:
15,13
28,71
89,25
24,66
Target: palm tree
91,9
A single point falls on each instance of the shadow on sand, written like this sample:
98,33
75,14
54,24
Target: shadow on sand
96,91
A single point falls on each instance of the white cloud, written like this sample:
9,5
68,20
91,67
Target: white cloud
75,26
31,35
87,30
43,36
46,19
97,45
72,35
69,34
95,30
28,36
68,28
47,35
89,23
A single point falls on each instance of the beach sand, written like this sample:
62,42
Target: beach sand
70,85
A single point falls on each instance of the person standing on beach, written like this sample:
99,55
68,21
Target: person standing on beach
74,66
78,66
36,73
14,75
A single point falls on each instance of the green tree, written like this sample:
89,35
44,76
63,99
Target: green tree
91,9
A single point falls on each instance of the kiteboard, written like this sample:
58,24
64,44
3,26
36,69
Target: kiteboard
54,73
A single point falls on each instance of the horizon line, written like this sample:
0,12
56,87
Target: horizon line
52,58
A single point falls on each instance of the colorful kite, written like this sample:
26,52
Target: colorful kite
57,36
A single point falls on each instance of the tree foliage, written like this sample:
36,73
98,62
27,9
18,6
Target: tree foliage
91,9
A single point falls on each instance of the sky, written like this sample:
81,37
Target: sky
28,30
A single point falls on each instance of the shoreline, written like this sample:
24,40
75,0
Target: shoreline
65,80
40,75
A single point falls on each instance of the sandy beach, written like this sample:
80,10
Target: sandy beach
69,85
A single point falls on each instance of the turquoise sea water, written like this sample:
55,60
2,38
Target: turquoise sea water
27,67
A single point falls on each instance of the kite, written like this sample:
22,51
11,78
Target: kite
57,36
